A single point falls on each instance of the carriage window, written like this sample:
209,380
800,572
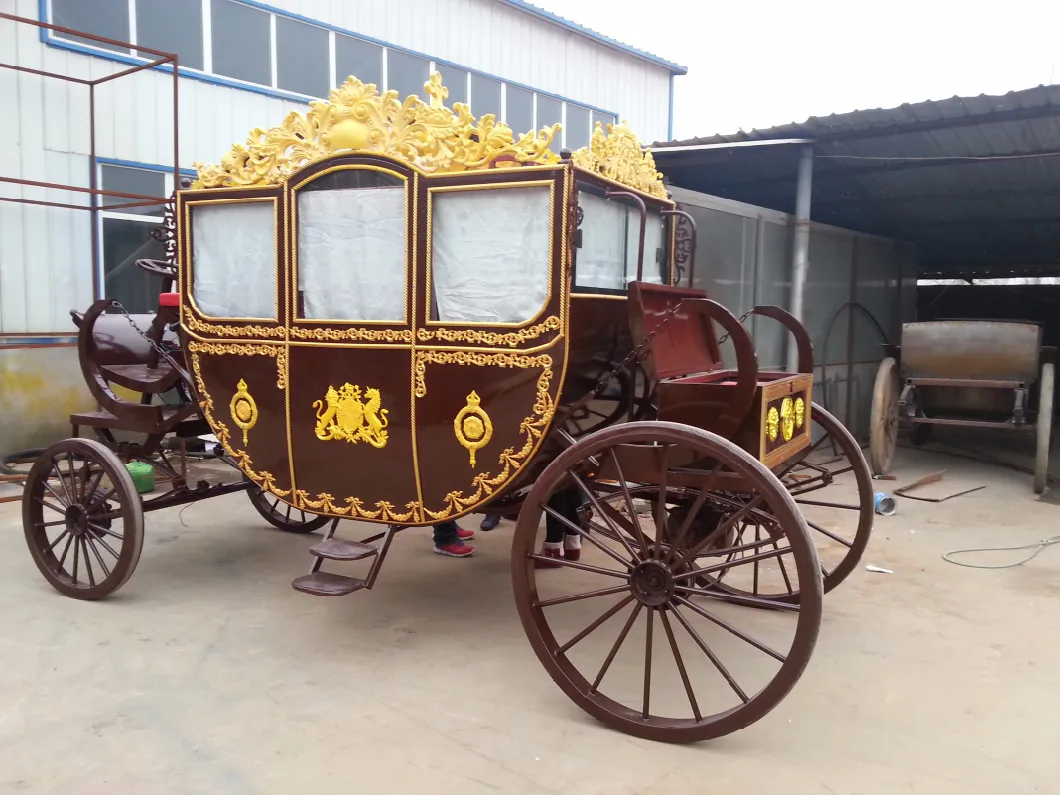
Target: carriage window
234,259
610,230
351,247
490,255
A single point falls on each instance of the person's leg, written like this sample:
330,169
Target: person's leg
561,540
447,542
571,501
489,522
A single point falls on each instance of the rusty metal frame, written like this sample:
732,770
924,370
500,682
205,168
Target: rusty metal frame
161,59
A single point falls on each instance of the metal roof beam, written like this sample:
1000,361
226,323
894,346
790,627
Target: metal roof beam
887,131
1013,193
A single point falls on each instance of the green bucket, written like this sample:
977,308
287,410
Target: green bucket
143,476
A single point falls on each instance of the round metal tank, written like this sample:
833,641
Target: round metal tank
987,349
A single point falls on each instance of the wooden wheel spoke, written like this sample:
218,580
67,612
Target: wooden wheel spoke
593,626
99,558
718,532
55,494
730,564
88,562
627,499
841,505
758,533
733,630
66,550
783,569
660,508
559,600
49,524
587,536
59,476
288,516
91,490
76,493
721,595
618,644
608,513
710,656
680,661
830,534
55,543
697,506
47,504
77,551
570,564
107,546
647,665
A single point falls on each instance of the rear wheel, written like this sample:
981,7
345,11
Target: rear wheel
281,515
1044,429
883,432
82,518
670,679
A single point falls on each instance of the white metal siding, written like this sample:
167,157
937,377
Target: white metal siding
45,253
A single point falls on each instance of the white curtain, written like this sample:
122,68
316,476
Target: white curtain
351,253
490,254
234,259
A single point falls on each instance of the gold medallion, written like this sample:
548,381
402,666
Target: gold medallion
800,412
787,417
244,409
772,424
472,426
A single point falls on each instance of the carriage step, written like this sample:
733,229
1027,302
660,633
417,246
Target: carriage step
322,583
340,549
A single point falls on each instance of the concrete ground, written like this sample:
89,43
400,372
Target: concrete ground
207,673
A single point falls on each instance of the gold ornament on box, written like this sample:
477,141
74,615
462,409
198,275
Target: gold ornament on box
357,117
472,426
618,155
787,418
244,409
800,412
772,423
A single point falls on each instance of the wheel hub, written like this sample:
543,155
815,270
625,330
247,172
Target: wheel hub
76,520
652,583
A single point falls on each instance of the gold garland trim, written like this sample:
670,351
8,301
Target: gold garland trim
232,331
279,351
357,117
511,338
618,155
474,358
370,335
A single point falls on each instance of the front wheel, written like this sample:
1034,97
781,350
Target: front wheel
83,519
679,662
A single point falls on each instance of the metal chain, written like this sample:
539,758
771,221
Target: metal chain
157,348
741,319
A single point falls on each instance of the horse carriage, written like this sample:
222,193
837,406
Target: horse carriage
397,314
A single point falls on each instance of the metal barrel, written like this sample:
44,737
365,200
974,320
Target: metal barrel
986,349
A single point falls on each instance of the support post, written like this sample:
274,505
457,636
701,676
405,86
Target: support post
800,250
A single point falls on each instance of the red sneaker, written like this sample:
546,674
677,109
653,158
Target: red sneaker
548,564
455,550
464,535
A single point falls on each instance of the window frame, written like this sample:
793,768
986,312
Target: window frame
272,89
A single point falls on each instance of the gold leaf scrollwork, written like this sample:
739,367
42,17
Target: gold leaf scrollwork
618,155
238,349
510,338
472,426
473,358
356,116
244,409
345,417
195,324
355,334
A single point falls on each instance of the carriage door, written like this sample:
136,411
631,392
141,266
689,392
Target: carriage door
491,329
351,338
233,316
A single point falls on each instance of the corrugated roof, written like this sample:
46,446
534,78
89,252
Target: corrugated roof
974,182
541,13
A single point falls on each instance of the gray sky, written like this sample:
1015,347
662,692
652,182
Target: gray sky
770,62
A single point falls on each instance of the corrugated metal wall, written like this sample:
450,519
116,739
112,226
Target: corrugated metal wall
45,254
744,258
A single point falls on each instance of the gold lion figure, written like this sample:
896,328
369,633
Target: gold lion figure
345,417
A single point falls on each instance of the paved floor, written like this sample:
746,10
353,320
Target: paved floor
208,674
